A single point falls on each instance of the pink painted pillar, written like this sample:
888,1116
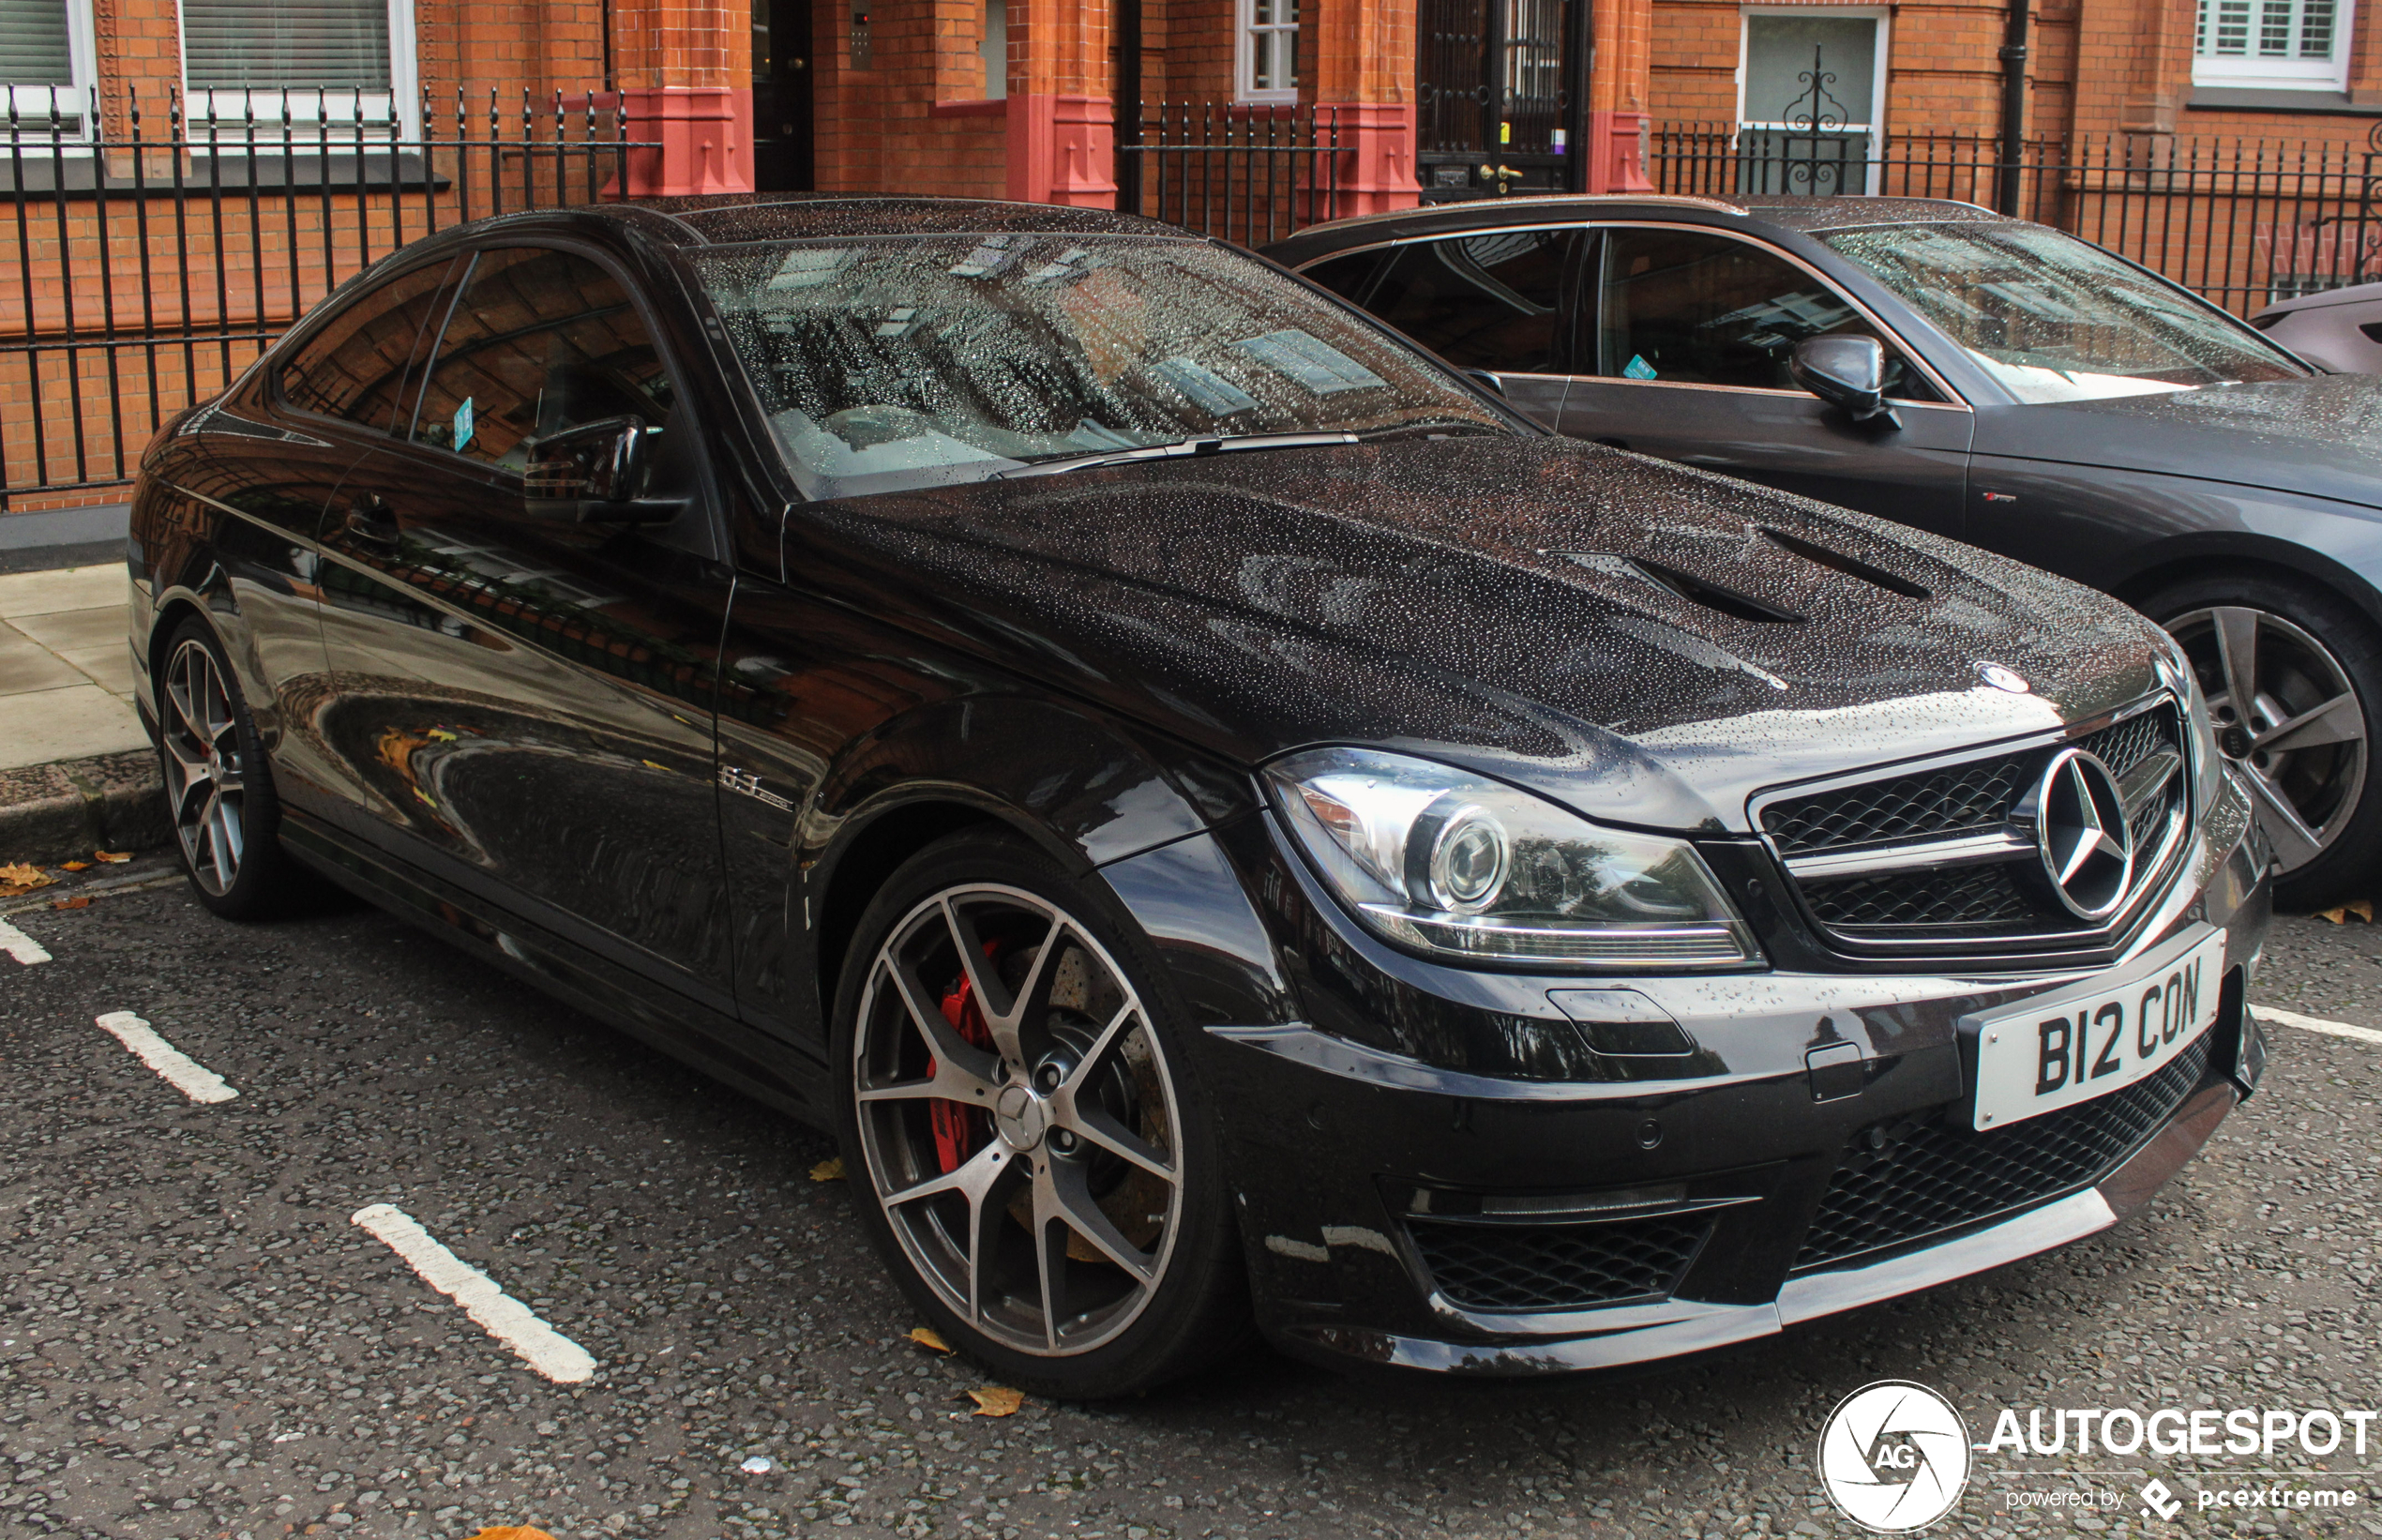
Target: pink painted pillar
1063,149
701,139
1376,162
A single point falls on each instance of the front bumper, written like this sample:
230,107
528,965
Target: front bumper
1344,1152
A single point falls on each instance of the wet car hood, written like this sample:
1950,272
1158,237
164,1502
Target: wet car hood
2321,437
1646,643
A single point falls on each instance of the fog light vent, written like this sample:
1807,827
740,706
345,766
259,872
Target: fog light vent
1558,1267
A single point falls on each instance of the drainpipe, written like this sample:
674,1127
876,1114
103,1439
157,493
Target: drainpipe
2013,108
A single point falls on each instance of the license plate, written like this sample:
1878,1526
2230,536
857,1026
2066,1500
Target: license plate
2089,1039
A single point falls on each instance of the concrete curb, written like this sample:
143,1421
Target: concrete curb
65,810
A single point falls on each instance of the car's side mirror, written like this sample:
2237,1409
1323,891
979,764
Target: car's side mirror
592,475
1847,371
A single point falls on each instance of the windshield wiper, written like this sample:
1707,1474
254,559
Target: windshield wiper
1209,444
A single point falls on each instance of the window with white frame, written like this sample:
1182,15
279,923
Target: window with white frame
2289,45
317,62
1811,83
46,63
1266,58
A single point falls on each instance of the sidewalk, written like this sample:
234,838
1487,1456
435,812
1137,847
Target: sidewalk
76,770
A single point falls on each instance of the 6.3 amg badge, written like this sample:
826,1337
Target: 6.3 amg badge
1894,1456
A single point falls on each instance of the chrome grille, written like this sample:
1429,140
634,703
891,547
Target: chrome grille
1934,856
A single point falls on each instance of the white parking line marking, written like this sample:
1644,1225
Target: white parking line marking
21,946
187,1074
502,1316
2282,1017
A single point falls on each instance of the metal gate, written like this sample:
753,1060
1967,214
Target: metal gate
1503,88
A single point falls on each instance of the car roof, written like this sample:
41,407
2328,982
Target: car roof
728,219
1803,215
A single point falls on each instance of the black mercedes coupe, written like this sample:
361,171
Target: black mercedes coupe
1982,377
1231,826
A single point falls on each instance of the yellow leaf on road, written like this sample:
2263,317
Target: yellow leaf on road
21,879
114,858
828,1170
74,866
81,900
927,1336
995,1400
513,1531
2361,908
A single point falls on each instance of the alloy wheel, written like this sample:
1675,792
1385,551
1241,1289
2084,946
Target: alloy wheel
207,778
2289,719
1018,1120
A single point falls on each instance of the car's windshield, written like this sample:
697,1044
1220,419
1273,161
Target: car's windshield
905,362
2055,319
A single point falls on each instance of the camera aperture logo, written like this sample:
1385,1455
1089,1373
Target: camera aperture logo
1894,1456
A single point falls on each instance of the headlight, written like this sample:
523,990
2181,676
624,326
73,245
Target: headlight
1450,863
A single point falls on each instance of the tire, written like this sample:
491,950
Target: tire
1074,1116
2305,742
219,784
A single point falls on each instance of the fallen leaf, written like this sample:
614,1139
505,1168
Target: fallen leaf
996,1400
513,1531
80,901
114,858
21,879
440,734
926,1336
74,866
828,1170
2361,908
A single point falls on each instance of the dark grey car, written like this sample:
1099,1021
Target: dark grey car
1982,377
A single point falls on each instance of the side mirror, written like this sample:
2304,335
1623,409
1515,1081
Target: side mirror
590,474
1847,371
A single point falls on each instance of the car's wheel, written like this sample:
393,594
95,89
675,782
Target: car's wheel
1024,1127
2293,678
218,785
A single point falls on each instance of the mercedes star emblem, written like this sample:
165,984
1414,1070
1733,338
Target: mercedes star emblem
2001,676
2080,833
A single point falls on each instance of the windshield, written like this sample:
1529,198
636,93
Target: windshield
910,362
2055,319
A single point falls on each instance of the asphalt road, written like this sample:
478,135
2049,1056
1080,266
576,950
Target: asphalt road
198,1342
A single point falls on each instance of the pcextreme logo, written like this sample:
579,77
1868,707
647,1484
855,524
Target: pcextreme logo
1894,1456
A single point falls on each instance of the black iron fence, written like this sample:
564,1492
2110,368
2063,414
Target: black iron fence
1251,174
2242,221
155,255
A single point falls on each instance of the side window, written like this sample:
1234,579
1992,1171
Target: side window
1488,301
540,340
1349,277
1695,309
354,366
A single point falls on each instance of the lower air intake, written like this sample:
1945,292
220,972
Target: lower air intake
1930,1175
1558,1267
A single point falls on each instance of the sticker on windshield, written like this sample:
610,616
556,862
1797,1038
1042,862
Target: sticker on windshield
462,426
1209,391
1638,367
1313,363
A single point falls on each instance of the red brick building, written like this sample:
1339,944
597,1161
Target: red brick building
1020,97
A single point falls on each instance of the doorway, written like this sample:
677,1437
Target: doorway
781,95
1500,95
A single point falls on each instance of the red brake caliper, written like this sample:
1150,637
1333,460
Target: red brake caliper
959,1127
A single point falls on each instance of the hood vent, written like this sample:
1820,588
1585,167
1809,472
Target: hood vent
1711,595
1851,567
